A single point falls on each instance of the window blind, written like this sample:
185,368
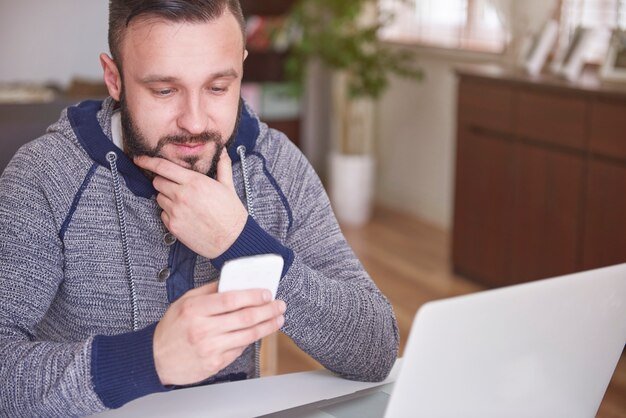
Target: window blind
458,24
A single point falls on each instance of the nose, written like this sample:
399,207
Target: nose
192,117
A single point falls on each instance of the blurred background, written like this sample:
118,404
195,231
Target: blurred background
465,144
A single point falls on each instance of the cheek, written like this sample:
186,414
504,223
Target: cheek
152,119
226,115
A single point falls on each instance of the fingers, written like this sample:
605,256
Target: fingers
251,317
247,336
229,311
165,186
189,347
164,202
238,299
200,292
225,170
179,175
211,287
206,289
163,168
235,342
206,305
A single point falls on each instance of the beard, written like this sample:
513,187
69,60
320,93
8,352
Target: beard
135,143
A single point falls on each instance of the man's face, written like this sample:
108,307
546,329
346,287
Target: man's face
180,89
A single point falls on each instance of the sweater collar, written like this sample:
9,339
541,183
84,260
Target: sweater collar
90,134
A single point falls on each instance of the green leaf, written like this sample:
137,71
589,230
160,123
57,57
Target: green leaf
330,31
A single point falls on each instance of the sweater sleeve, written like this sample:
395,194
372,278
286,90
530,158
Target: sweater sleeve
37,378
52,375
335,312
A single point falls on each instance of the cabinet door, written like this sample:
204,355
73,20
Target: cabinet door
552,118
608,125
548,214
485,105
605,215
483,207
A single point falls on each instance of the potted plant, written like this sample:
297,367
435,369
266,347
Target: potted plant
343,36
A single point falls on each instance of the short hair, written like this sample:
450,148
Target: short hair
122,12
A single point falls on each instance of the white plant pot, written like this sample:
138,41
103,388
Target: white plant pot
351,184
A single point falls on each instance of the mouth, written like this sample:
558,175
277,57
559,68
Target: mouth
189,148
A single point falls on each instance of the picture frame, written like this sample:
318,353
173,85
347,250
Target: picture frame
539,48
573,60
614,65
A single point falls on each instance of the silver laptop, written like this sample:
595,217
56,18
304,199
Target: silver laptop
541,349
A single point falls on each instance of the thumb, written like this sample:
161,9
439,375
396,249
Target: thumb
225,170
206,289
211,287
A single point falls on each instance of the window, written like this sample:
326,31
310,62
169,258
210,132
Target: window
475,25
600,15
458,24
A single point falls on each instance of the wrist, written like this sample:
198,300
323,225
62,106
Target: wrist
122,367
253,240
230,237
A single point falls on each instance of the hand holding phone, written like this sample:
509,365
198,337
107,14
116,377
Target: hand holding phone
254,272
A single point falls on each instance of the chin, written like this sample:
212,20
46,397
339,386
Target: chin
199,166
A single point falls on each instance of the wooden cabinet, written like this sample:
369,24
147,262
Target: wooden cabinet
485,170
608,128
546,215
605,215
483,207
540,177
551,118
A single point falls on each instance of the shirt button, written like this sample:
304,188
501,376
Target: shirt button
169,239
164,274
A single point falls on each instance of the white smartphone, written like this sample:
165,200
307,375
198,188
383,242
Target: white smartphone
254,272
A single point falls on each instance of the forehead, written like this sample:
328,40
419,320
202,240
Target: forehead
151,41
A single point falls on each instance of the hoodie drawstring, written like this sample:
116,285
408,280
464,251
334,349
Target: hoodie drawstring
241,150
112,159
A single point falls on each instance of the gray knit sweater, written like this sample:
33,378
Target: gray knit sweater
87,268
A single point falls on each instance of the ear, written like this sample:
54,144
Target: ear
245,54
112,77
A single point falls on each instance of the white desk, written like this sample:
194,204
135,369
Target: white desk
248,398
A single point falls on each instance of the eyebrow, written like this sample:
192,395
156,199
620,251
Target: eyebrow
156,78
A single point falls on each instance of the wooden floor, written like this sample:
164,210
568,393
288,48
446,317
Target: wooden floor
409,261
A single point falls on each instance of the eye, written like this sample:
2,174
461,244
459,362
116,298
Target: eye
218,89
163,92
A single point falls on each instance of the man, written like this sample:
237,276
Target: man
112,235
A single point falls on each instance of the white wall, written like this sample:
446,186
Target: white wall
52,41
416,139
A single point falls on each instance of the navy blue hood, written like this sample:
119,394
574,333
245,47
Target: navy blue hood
84,121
